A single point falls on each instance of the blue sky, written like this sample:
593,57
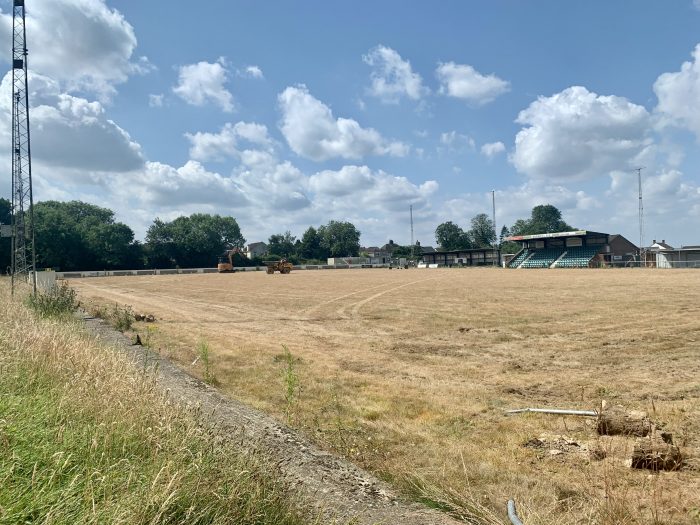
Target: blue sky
290,114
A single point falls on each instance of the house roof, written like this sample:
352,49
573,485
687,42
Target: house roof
614,236
661,245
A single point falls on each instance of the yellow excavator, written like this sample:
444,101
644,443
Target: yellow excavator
226,261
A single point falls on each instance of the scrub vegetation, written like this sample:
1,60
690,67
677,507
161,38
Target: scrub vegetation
87,437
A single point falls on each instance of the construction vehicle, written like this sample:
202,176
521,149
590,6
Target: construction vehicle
281,266
226,261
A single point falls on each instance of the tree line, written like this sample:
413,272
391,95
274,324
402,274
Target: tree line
335,239
81,236
544,218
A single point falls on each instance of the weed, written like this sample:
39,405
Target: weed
204,357
122,317
291,382
96,310
148,337
57,301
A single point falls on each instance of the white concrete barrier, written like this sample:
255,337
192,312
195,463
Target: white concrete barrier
185,271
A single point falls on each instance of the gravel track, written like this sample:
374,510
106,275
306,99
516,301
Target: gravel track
335,487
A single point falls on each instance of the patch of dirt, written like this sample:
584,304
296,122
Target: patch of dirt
559,445
335,487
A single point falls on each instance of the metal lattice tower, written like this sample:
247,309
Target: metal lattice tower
642,251
23,256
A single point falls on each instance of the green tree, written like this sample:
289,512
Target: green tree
547,219
505,232
81,236
451,237
520,227
282,245
159,247
482,233
507,246
544,218
310,247
193,241
408,251
5,242
340,239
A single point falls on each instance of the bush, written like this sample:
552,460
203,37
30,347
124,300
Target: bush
122,318
59,300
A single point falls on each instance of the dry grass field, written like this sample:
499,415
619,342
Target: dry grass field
409,372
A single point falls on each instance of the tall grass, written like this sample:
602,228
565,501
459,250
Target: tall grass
56,301
86,438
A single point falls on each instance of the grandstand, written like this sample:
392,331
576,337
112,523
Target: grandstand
574,249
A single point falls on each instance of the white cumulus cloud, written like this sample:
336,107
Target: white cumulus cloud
358,187
156,101
84,44
218,146
72,132
492,149
464,82
167,187
679,95
251,72
392,76
203,83
313,132
577,134
456,141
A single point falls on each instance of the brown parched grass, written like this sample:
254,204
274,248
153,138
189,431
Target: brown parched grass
88,437
409,372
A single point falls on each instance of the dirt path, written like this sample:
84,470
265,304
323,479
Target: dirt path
335,487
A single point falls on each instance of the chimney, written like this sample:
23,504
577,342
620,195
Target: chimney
653,242
663,241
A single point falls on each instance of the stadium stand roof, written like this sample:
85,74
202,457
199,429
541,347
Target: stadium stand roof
575,233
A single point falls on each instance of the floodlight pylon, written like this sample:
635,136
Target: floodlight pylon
23,254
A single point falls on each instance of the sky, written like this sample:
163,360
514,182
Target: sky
289,114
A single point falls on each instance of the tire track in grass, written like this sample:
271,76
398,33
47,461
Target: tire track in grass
320,305
354,312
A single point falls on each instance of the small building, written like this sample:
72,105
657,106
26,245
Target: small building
619,251
388,248
255,249
666,256
470,257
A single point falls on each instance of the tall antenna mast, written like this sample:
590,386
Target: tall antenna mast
495,231
23,256
642,255
413,248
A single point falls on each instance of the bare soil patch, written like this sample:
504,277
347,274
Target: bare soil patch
408,373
